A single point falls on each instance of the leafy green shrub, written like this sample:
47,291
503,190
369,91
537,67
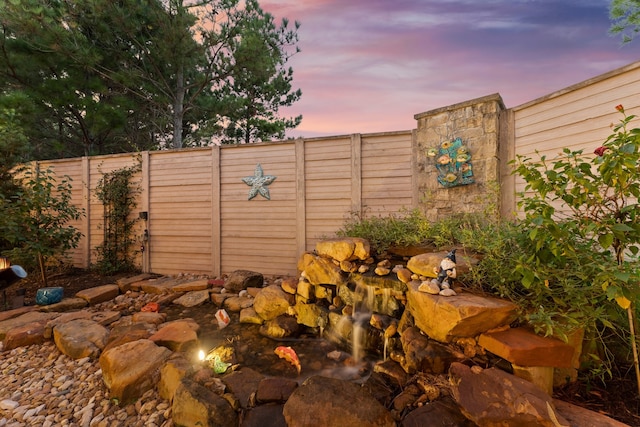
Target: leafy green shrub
36,220
583,234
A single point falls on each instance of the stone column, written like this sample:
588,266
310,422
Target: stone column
476,123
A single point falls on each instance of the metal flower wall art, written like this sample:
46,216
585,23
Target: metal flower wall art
453,161
258,183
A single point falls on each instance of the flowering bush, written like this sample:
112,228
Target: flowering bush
581,212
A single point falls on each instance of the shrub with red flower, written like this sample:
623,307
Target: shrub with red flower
600,150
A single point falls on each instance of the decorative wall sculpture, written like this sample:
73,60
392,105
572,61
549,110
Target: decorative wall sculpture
258,183
453,161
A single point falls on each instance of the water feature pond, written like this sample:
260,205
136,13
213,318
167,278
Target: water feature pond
317,355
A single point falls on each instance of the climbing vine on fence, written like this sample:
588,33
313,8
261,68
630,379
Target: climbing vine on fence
117,193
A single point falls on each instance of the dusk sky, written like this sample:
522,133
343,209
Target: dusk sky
370,65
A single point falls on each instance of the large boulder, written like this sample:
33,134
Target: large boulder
424,355
179,335
80,338
172,373
504,400
130,369
347,249
465,315
271,302
239,280
196,405
319,270
322,401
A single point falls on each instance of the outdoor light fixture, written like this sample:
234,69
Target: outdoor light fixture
9,274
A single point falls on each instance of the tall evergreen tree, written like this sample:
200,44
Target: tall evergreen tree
98,76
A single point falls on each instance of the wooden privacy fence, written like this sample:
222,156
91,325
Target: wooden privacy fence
199,217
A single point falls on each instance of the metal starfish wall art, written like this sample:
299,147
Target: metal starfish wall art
258,183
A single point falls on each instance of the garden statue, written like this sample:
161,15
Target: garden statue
445,274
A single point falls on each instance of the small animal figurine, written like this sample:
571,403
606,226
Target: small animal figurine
447,271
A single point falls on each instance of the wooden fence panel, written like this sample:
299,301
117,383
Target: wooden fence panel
328,185
577,118
387,184
180,202
258,234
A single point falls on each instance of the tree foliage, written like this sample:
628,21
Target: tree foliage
36,220
625,17
96,76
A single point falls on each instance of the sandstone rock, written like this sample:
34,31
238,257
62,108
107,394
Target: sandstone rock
243,384
271,302
160,286
24,319
177,336
80,338
192,298
281,327
429,287
275,389
65,318
249,315
311,315
465,315
125,283
444,413
105,318
67,304
149,317
506,400
578,416
99,294
269,415
239,280
16,312
525,348
195,405
350,405
427,264
172,373
191,286
393,371
404,275
425,355
127,333
346,249
320,270
236,303
131,369
289,285
24,335
218,299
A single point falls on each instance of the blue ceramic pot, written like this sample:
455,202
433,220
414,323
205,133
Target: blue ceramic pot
46,296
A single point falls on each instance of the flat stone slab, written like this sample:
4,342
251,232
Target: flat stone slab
462,316
99,294
67,304
30,317
163,285
193,285
125,284
523,347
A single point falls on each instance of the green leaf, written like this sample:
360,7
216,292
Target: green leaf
621,228
605,240
622,276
